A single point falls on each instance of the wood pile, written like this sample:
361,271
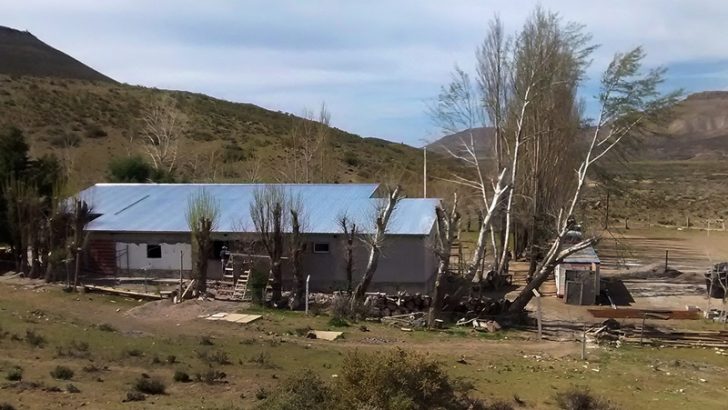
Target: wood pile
383,305
473,307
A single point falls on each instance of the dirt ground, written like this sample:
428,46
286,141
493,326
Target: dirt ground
127,337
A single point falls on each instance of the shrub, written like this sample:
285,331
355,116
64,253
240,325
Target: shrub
134,396
95,131
338,322
133,352
171,359
6,406
580,398
149,385
210,376
62,373
15,374
34,339
397,380
219,357
105,327
206,341
262,360
181,376
72,389
261,393
304,390
65,140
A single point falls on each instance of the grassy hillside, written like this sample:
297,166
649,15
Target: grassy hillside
88,123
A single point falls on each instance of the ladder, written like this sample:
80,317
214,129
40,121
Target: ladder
240,292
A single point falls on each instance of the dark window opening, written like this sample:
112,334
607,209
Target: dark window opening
320,247
154,251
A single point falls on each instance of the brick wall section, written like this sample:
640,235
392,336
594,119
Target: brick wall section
102,257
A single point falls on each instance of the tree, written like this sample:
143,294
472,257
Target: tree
135,169
202,215
269,217
448,228
630,103
13,163
309,139
81,215
374,242
164,125
297,247
349,229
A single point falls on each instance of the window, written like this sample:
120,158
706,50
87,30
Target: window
320,247
154,251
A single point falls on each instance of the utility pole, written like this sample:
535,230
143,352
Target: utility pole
424,172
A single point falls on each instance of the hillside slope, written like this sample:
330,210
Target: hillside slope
697,130
89,123
22,54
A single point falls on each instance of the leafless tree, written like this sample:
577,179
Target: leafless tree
202,217
81,215
267,212
629,103
448,228
349,229
374,242
309,139
297,247
162,132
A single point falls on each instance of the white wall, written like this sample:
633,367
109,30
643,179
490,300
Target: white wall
170,260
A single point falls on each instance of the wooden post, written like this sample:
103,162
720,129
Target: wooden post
538,313
181,262
78,267
606,214
667,252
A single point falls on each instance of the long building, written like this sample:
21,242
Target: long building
142,229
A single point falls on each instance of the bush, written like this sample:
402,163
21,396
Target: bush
206,341
210,376
149,385
62,373
95,131
105,327
6,406
580,398
338,322
15,374
171,359
181,376
133,352
72,389
135,169
399,380
34,339
304,390
262,360
65,140
134,396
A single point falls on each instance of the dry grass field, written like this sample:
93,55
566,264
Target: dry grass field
109,342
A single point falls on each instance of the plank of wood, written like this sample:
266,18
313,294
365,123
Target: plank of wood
192,282
123,292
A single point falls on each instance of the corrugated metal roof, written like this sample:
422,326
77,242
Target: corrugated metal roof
162,207
586,255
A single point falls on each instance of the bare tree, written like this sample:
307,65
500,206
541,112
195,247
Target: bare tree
375,242
309,139
81,215
269,217
297,247
448,228
629,104
349,229
202,215
162,132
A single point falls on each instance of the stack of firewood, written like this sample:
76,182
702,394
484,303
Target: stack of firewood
473,307
381,305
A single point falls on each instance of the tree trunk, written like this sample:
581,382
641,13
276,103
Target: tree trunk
297,245
448,227
361,288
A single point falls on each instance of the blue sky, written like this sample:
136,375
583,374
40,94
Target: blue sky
375,63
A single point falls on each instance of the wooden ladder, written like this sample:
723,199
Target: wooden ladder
240,292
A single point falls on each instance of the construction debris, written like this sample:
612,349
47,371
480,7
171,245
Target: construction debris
406,321
481,325
633,313
472,307
232,317
324,335
611,333
124,292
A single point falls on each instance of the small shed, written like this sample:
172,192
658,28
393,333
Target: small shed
577,277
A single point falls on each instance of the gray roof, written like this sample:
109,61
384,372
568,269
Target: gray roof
586,255
162,207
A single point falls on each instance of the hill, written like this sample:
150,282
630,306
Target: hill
22,54
89,123
698,130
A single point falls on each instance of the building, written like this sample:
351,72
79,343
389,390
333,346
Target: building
577,277
141,229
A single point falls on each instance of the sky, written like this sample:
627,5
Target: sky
376,64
